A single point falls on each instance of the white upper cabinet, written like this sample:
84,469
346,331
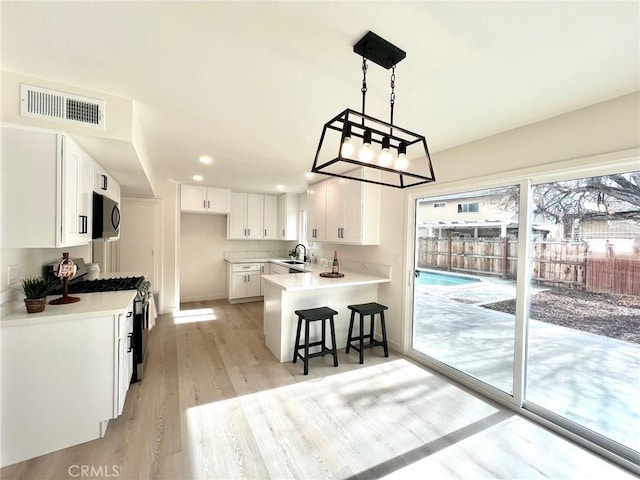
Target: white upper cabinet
288,216
198,199
105,184
316,226
76,194
245,220
270,217
45,190
352,210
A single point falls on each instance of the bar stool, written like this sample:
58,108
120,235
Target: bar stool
313,315
365,309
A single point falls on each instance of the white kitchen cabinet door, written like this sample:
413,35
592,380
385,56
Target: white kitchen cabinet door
317,212
236,221
198,199
125,358
253,285
105,184
270,217
245,218
76,194
288,216
335,209
193,199
265,269
218,200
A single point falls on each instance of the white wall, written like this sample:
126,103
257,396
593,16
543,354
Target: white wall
203,241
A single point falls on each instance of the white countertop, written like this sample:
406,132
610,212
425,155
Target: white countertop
91,304
311,279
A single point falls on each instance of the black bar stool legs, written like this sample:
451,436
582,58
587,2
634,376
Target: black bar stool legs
313,315
364,309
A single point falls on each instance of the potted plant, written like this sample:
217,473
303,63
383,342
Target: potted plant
36,289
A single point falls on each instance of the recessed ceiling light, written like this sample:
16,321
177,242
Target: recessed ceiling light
309,174
197,178
206,159
279,187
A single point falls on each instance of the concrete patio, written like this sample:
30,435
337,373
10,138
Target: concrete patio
590,379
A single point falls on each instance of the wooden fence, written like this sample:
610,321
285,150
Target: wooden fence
553,263
613,275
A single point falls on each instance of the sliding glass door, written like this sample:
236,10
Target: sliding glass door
465,282
584,321
539,305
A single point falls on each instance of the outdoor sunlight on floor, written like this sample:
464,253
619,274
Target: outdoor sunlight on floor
385,417
194,315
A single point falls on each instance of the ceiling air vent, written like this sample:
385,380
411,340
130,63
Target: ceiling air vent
43,103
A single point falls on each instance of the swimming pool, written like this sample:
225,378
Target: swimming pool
443,279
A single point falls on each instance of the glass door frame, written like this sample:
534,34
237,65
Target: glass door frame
605,164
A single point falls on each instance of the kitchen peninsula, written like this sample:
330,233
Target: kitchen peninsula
284,294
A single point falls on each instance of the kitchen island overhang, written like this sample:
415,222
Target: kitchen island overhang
284,294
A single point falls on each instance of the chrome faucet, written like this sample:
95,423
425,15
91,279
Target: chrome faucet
304,257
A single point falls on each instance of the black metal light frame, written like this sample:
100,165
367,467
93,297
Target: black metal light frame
355,124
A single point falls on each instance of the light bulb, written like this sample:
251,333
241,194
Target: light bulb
385,159
366,153
402,162
347,147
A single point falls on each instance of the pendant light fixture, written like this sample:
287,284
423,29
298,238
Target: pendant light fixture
396,156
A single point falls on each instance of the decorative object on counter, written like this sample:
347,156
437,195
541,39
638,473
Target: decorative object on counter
65,270
331,275
335,266
36,289
93,271
412,165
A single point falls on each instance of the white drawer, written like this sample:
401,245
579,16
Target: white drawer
246,267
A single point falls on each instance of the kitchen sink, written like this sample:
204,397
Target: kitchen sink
293,262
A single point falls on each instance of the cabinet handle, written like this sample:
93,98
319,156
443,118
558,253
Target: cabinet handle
208,203
248,232
129,314
283,232
130,349
265,232
104,182
204,204
83,223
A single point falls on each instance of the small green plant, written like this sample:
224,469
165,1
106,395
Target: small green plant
37,287
293,253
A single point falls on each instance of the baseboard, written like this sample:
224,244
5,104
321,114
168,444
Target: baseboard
202,298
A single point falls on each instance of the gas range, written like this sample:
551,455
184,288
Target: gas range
104,285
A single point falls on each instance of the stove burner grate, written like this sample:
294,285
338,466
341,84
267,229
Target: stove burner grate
104,285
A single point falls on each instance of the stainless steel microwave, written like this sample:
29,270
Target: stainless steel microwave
106,218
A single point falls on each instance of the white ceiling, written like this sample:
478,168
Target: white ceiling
252,84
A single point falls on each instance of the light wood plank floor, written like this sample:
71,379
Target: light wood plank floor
215,404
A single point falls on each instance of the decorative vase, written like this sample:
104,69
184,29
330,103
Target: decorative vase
35,305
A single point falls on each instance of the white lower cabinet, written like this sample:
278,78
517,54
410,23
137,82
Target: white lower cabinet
243,281
62,381
124,365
